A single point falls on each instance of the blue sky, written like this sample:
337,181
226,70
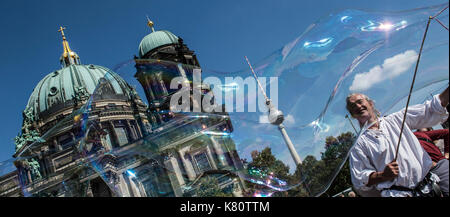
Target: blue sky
108,32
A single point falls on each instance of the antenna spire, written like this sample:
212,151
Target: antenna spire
259,84
150,24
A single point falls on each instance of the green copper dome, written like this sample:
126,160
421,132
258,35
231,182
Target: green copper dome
57,90
156,39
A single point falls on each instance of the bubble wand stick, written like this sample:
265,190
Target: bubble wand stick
414,79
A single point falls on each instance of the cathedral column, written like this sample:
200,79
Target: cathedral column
237,190
161,83
141,189
28,172
44,165
233,155
176,177
122,185
143,78
128,127
176,168
236,160
149,88
56,144
133,187
105,144
114,135
187,166
139,125
72,135
89,190
155,86
210,156
219,151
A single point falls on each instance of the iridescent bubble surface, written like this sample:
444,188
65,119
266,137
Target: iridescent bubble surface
233,149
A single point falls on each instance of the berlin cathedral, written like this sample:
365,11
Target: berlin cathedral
86,132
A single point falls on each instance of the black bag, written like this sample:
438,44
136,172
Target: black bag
428,187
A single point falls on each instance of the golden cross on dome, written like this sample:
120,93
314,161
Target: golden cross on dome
68,57
61,29
65,43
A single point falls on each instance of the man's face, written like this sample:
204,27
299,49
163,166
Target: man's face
360,108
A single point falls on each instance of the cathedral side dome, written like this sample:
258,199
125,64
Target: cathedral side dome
156,39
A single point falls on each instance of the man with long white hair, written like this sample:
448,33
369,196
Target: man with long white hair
372,165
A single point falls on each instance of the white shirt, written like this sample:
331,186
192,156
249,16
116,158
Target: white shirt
374,149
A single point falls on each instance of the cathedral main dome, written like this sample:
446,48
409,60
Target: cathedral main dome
63,92
58,90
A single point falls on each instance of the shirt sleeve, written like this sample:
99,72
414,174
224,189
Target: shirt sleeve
360,169
423,115
440,134
437,134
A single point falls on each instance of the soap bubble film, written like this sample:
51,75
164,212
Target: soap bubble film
136,143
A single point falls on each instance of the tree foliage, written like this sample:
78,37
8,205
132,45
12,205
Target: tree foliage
314,173
209,187
263,165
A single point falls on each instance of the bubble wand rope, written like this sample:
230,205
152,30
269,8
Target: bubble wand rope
410,90
414,79
435,18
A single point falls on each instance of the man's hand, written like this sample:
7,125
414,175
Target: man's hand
390,171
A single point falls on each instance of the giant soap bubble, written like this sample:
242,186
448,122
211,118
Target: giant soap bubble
171,135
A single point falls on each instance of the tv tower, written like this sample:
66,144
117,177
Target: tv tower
276,117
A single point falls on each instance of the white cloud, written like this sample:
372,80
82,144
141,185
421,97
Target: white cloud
289,120
263,119
391,68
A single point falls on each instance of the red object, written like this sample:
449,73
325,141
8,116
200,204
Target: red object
429,146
